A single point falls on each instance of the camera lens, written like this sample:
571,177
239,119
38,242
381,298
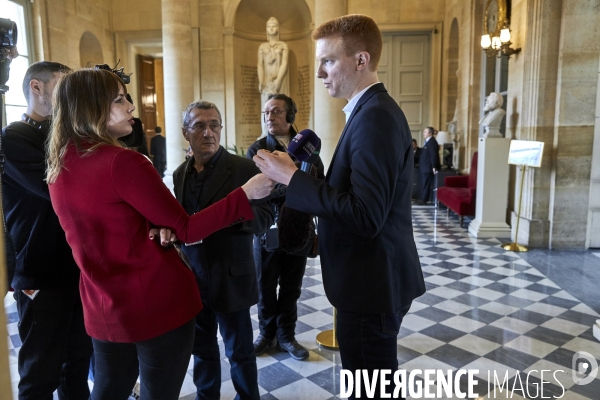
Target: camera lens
8,33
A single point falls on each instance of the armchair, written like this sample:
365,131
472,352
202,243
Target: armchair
459,192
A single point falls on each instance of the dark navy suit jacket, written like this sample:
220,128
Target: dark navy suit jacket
368,255
430,156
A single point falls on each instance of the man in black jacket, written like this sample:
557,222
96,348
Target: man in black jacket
277,310
56,350
158,150
369,260
429,162
223,262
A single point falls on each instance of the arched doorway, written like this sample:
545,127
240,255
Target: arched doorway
90,50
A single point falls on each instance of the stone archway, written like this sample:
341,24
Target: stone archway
90,50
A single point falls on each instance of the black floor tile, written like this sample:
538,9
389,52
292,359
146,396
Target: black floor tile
470,300
462,286
443,333
562,357
549,336
557,301
328,379
454,275
501,287
512,358
452,355
482,316
530,316
276,375
430,299
579,318
496,335
405,354
514,301
434,314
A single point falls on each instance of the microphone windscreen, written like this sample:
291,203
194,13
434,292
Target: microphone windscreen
304,144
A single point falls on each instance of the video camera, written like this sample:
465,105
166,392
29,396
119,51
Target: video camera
125,77
8,39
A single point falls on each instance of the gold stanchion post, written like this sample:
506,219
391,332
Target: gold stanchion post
514,246
328,339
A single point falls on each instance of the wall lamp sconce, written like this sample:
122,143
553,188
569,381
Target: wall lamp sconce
496,37
498,45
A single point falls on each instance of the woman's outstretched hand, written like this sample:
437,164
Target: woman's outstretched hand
258,186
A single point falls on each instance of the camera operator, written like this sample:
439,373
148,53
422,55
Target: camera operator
56,350
277,309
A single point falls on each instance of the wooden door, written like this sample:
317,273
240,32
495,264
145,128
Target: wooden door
404,69
147,91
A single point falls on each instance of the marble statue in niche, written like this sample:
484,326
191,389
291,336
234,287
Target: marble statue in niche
272,65
493,115
452,127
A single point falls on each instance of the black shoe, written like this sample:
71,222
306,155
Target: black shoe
420,203
261,344
294,348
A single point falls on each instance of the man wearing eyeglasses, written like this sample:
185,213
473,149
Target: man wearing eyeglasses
223,262
277,310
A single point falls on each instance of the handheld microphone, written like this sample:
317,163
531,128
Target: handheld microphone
305,147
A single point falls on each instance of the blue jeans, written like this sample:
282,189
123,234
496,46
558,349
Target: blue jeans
236,330
161,363
56,350
369,341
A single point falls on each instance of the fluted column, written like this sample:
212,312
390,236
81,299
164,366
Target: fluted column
178,75
329,117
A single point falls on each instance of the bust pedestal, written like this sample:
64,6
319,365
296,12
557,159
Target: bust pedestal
492,189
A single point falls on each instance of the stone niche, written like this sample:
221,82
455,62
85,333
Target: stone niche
90,50
250,31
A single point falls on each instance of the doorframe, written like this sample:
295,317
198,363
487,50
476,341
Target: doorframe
435,57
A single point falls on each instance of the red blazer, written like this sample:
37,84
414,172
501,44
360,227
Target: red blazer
132,289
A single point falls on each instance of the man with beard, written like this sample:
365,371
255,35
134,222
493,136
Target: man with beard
55,352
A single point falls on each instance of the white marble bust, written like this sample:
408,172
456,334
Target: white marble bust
494,113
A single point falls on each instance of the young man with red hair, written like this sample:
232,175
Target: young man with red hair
371,269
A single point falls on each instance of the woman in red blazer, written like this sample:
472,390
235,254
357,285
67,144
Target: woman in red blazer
139,298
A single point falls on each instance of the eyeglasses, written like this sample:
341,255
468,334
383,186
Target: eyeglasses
201,127
276,112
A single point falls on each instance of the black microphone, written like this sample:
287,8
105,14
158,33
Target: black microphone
305,147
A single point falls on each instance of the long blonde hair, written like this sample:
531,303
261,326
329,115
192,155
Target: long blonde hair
82,101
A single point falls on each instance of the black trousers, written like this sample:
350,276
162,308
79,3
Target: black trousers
161,363
161,167
278,312
56,350
426,182
369,342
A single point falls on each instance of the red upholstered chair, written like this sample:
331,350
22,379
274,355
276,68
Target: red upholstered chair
459,192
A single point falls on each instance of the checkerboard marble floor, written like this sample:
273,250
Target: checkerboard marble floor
485,309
